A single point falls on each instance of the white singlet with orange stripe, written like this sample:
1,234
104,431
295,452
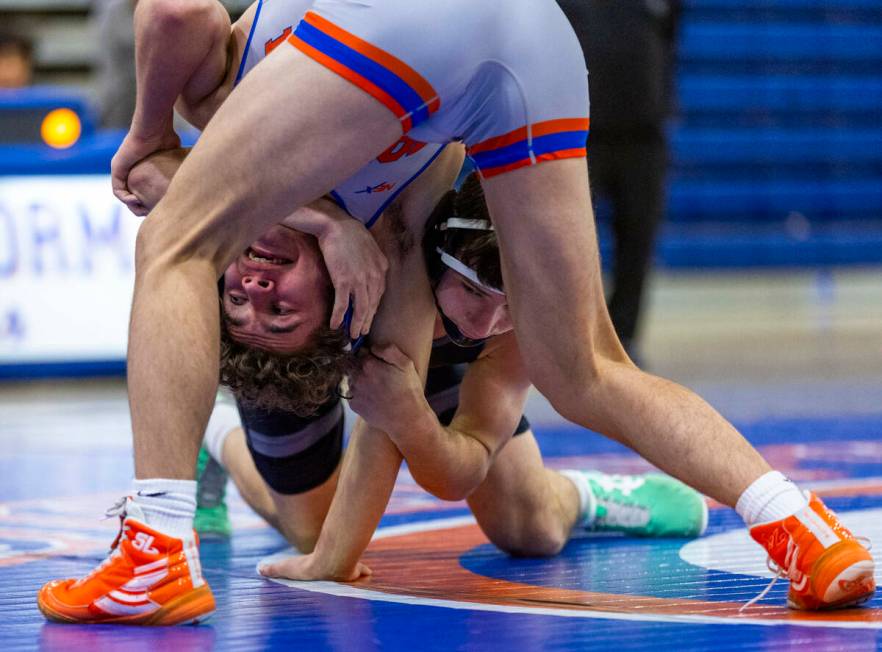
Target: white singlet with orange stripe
366,194
506,78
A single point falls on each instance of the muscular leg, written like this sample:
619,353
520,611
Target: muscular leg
550,262
237,461
298,517
223,197
522,507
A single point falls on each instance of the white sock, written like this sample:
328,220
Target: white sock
168,505
771,497
224,419
587,503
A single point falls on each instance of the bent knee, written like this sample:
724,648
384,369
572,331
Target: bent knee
155,249
545,542
159,245
171,15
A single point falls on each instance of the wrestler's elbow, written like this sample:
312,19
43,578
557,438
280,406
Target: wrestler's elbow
449,490
453,483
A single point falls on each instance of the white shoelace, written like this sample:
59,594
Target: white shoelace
791,571
117,509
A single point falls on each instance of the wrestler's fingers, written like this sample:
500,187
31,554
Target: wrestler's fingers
362,312
292,568
369,317
361,571
377,290
132,202
297,568
341,303
121,191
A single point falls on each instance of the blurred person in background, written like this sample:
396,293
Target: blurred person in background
115,61
629,47
16,61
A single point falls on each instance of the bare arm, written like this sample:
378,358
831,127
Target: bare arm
371,463
184,50
210,84
406,317
180,48
449,462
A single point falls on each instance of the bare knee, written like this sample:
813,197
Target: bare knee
572,394
149,244
171,15
161,247
538,539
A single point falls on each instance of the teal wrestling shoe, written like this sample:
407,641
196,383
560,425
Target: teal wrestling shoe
212,519
652,505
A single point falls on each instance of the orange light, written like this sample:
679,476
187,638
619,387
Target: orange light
61,128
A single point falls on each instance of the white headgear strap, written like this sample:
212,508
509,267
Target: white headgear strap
461,268
465,223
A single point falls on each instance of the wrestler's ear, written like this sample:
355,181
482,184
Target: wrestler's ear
391,354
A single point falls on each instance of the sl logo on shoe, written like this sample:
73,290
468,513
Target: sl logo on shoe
144,543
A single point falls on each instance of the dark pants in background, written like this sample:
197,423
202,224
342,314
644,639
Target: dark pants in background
630,174
629,51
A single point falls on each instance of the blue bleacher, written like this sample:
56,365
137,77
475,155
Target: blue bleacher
693,6
845,96
765,201
764,42
780,123
698,148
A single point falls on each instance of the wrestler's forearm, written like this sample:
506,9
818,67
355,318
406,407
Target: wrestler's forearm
320,218
447,463
174,40
369,471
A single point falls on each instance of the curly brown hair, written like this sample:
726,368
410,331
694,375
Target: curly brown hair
298,382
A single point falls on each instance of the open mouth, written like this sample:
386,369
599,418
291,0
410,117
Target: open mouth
265,258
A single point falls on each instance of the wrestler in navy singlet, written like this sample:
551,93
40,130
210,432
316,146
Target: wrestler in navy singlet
295,454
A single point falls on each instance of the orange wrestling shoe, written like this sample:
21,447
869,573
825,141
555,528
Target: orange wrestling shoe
827,566
149,578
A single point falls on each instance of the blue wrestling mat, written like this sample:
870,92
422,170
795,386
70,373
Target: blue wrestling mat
437,583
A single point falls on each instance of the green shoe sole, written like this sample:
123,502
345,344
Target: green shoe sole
212,519
213,522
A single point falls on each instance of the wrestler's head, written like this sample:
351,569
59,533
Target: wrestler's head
463,260
276,298
276,348
275,293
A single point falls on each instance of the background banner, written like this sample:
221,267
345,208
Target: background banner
66,270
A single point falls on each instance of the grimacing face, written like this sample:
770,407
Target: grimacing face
275,292
478,314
